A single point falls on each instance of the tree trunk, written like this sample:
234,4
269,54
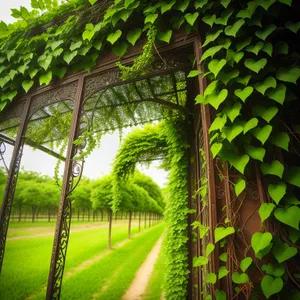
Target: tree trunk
110,217
140,216
49,215
129,224
145,220
33,213
88,214
20,214
149,220
83,214
78,214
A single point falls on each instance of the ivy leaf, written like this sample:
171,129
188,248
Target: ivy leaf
193,73
265,210
220,295
211,278
294,235
267,113
283,252
211,52
260,241
269,82
92,2
278,94
250,125
45,78
222,232
275,168
191,18
32,73
256,66
68,56
133,36
56,44
210,20
240,278
215,66
233,131
277,191
243,80
222,271
243,94
165,36
233,111
289,216
268,48
209,249
263,34
217,99
288,74
27,84
281,140
225,3
218,123
120,49
256,153
240,46
216,148
266,3
292,176
225,77
262,134
233,29
294,27
167,6
128,3
287,2
271,286
75,45
255,48
9,96
60,72
45,62
200,3
200,261
211,37
183,5
114,36
225,15
151,18
223,257
274,269
239,186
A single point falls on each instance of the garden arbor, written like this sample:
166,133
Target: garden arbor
248,46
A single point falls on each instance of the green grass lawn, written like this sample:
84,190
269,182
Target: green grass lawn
26,261
155,285
111,277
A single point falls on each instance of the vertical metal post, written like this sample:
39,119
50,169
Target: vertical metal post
206,122
63,222
12,181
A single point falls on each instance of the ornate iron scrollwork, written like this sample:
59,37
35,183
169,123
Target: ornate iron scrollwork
7,205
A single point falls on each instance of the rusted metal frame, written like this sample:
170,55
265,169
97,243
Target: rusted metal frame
193,291
212,205
63,224
12,181
33,144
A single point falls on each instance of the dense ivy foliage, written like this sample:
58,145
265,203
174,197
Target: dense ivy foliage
251,59
166,140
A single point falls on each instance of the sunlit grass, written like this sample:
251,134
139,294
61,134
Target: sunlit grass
27,261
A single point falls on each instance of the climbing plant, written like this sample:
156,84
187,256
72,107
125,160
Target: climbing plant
251,60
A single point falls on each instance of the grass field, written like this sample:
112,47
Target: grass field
27,260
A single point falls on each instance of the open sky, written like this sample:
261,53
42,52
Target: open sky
99,162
